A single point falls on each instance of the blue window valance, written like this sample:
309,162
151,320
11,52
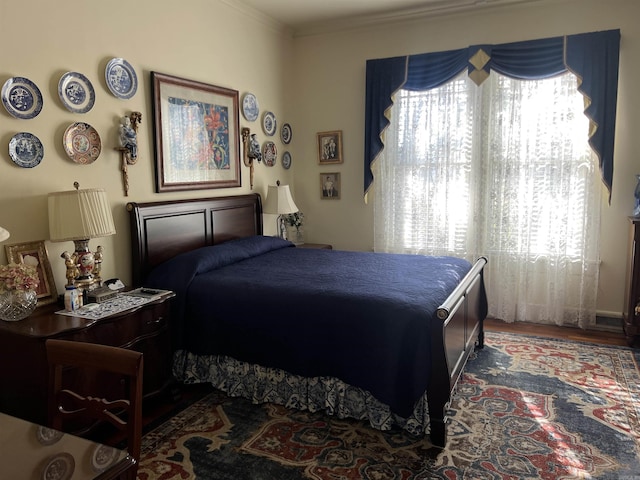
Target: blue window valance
592,57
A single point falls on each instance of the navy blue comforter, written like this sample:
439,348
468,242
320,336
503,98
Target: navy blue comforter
361,317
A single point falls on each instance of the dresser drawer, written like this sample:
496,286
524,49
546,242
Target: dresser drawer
126,330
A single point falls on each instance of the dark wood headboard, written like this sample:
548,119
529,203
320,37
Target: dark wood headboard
161,230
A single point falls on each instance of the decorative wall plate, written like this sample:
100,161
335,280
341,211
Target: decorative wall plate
76,92
26,150
82,143
21,97
121,78
269,154
60,467
269,123
286,160
103,456
48,436
250,107
286,133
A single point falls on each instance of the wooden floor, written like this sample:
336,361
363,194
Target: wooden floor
568,333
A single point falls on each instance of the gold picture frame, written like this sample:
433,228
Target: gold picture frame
330,186
36,253
330,147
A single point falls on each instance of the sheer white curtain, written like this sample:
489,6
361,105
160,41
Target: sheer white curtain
502,170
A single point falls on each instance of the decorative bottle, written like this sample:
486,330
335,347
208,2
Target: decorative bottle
72,298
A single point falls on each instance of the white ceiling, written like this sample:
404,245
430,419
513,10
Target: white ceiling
309,16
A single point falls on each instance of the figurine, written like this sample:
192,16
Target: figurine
72,269
98,262
128,137
254,148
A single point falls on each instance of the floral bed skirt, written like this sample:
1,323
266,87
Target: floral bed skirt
330,395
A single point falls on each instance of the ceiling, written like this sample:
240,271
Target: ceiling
314,16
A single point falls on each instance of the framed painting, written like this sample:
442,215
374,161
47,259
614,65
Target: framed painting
196,130
35,253
330,147
330,185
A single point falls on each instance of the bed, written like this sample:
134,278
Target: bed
373,336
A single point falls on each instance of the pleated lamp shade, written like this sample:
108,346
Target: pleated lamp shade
279,200
79,215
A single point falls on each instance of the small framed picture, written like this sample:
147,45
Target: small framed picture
330,147
35,253
330,185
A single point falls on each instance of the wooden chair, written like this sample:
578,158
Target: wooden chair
125,414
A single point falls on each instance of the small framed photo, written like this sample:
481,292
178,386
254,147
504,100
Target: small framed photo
197,139
330,185
330,147
35,253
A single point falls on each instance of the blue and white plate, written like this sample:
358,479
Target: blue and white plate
76,92
121,78
250,107
26,150
286,133
21,97
269,123
286,160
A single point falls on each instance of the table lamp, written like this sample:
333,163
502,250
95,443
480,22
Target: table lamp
280,202
80,215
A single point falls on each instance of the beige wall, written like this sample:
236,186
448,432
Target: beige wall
330,77
204,40
315,83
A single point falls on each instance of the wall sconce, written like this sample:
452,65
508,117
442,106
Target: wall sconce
251,151
128,136
280,202
80,215
4,234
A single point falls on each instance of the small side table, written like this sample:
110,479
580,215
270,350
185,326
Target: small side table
320,246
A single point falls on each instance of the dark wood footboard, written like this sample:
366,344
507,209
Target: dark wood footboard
457,330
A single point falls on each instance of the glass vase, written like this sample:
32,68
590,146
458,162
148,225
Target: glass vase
17,304
295,235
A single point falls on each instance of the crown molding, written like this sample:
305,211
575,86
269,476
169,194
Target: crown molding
433,9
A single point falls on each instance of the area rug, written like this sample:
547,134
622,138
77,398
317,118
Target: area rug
526,407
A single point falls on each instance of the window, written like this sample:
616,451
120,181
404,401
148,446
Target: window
502,170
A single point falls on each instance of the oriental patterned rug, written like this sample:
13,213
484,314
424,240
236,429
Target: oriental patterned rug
526,408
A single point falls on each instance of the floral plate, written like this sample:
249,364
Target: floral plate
76,92
26,150
22,98
121,78
82,143
269,154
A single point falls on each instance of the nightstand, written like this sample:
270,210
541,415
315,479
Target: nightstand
24,372
324,246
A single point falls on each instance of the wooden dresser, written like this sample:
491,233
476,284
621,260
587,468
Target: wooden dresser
23,363
631,312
